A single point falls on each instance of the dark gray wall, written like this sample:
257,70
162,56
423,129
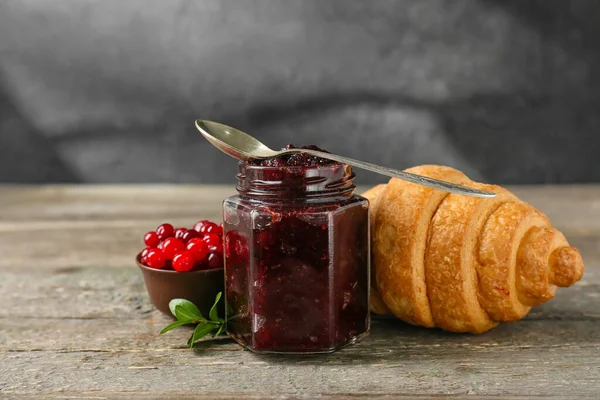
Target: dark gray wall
107,91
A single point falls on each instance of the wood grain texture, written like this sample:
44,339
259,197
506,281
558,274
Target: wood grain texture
76,321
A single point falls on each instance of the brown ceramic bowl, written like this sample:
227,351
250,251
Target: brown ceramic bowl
199,287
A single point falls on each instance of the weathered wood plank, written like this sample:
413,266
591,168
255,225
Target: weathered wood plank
115,244
74,293
120,293
105,223
99,318
542,371
41,206
78,244
572,206
177,395
33,203
388,338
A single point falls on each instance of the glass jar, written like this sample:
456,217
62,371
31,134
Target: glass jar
296,259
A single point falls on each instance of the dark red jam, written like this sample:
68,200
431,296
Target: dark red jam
295,159
297,258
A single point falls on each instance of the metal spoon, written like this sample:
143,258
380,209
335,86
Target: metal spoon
242,146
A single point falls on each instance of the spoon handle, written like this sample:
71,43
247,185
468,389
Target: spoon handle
407,176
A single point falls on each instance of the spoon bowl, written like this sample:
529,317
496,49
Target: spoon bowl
234,142
242,146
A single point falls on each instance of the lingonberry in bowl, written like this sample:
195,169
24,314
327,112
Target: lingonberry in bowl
155,259
172,246
165,231
179,232
151,239
183,263
189,235
198,248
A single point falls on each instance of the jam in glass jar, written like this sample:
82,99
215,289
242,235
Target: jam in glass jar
296,256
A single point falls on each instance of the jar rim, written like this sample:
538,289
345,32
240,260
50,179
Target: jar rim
259,181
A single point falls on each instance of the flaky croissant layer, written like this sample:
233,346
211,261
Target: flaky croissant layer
461,263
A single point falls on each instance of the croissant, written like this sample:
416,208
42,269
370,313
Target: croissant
460,263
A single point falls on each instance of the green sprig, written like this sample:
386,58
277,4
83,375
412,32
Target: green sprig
188,314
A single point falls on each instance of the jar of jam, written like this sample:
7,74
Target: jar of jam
296,256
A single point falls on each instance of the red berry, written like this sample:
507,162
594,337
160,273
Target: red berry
212,228
215,260
198,226
183,261
165,231
209,227
198,248
212,239
179,232
216,248
151,239
171,246
155,259
189,235
143,254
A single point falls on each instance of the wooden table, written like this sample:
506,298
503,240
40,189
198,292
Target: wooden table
76,321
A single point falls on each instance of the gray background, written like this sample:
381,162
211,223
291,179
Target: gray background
107,91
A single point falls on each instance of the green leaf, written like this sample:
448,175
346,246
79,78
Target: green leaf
187,306
183,314
173,326
187,313
200,331
213,311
